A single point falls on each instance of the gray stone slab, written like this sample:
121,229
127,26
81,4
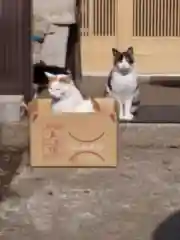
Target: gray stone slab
10,108
56,11
54,47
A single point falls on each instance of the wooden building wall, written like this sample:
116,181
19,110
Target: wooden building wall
15,56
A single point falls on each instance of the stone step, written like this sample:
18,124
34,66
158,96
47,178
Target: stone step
159,98
130,134
150,135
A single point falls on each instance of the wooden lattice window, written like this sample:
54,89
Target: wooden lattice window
156,18
98,17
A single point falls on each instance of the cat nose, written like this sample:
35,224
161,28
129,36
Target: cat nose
125,65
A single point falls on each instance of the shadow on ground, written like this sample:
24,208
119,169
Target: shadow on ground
169,229
173,82
10,160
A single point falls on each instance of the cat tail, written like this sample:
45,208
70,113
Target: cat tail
136,101
108,86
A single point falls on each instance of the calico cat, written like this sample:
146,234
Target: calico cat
66,97
122,83
40,80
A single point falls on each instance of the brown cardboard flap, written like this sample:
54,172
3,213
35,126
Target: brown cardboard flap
107,105
43,106
32,108
39,107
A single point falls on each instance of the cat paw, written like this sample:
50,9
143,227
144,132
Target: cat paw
121,117
129,117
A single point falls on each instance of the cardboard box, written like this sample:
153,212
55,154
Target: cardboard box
73,139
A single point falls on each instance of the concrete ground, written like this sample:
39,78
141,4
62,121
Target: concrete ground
138,200
132,201
128,202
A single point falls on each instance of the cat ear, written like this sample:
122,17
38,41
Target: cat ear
50,75
115,52
64,78
96,105
61,76
130,50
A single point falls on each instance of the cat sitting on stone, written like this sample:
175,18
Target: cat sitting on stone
122,83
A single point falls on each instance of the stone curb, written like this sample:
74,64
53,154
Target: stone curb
131,135
150,135
15,135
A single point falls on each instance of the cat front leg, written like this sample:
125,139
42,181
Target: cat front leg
121,110
127,109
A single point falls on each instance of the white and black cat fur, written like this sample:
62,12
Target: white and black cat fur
40,80
66,97
122,83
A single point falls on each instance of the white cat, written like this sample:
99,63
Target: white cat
66,97
122,82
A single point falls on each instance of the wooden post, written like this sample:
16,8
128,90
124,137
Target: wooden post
73,56
27,71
